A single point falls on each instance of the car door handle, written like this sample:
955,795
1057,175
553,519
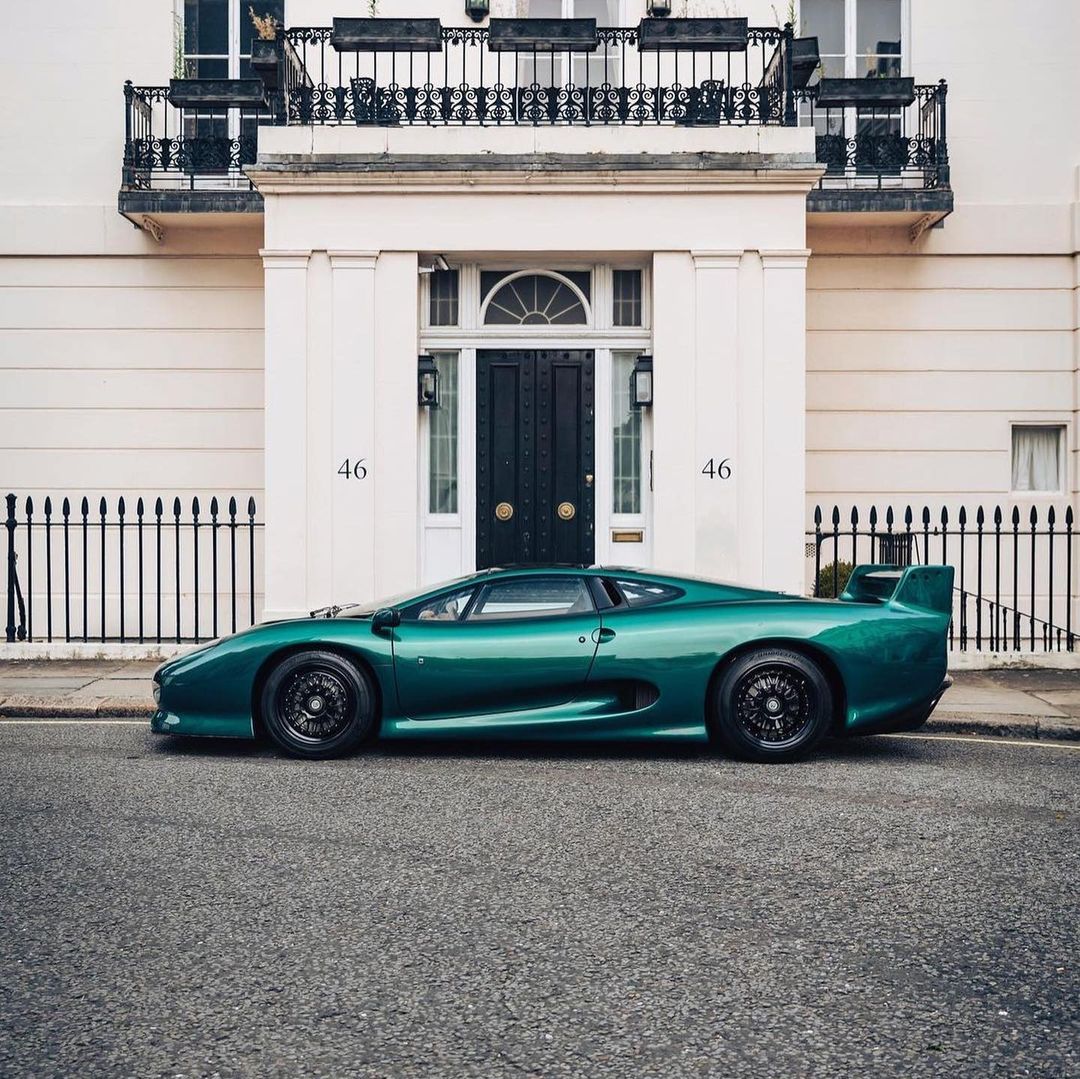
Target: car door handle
603,635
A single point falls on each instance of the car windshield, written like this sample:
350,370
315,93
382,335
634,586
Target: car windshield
403,599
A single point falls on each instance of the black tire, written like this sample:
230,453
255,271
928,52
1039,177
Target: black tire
318,705
771,705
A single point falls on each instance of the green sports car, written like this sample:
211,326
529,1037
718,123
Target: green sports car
579,653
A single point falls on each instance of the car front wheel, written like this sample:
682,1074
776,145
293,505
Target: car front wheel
771,705
317,704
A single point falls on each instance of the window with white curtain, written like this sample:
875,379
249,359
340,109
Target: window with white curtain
443,438
1038,458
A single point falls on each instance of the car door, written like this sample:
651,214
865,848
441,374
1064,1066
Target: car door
518,642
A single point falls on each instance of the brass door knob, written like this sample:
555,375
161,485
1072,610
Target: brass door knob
566,511
504,511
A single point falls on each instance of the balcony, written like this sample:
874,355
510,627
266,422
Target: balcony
187,146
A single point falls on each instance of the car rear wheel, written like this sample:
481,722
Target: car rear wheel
771,705
317,704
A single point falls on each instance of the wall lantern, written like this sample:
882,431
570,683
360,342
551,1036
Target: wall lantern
641,383
427,382
477,10
659,9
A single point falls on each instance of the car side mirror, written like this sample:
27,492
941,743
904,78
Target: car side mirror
385,619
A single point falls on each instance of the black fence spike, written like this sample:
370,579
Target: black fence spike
908,518
159,509
926,515
67,507
1068,515
1034,516
103,506
997,515
980,517
29,505
232,506
1016,515
48,505
195,506
213,508
176,508
251,506
139,507
962,516
120,506
1051,516
85,506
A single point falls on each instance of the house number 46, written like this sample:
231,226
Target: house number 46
714,471
353,470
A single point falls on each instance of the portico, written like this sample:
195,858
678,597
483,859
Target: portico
711,476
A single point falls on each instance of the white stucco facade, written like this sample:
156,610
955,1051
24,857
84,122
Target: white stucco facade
830,358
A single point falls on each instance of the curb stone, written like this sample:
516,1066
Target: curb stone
49,707
1033,727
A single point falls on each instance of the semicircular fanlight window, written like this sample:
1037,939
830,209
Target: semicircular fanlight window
535,300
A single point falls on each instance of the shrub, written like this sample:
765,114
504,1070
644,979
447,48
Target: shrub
842,571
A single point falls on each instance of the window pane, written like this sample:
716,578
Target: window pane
443,438
533,597
626,437
535,300
206,26
206,69
645,593
877,27
605,12
445,608
824,19
276,8
627,306
443,306
1036,458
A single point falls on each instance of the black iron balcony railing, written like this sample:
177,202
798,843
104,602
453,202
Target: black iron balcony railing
883,136
470,80
196,148
882,146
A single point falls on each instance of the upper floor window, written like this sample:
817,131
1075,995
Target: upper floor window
586,68
218,36
856,38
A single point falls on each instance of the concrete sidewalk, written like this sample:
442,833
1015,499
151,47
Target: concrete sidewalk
1030,703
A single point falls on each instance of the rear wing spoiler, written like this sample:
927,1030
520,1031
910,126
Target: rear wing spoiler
929,588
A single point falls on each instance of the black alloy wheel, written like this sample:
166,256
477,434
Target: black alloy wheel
317,704
771,705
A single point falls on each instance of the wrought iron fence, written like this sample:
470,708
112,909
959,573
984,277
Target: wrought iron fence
879,147
467,82
1014,585
193,148
80,570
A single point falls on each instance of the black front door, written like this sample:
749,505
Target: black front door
534,457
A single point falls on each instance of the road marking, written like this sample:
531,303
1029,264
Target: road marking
73,722
999,741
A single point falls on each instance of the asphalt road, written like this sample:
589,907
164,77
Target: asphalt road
895,906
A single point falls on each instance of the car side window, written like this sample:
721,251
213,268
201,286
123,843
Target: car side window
448,607
531,597
646,593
